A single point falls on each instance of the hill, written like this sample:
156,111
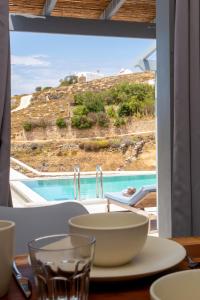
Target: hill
53,103
45,129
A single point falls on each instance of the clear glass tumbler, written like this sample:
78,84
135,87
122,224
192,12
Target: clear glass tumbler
61,266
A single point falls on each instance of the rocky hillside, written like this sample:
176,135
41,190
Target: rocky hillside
48,147
48,105
126,153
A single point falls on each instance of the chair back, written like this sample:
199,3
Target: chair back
33,222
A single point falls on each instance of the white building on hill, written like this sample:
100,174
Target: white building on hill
124,72
88,76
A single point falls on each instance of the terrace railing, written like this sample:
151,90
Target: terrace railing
77,183
99,182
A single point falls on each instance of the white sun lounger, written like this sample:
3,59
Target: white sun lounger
129,202
135,202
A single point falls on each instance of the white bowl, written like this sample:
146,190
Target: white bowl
119,235
183,285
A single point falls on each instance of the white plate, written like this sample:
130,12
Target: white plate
157,255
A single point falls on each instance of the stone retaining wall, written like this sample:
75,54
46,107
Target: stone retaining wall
53,132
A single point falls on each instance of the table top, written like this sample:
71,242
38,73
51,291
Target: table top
133,289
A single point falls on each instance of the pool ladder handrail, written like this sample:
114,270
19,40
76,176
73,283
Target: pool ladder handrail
99,175
77,174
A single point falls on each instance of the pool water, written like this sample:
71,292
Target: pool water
63,189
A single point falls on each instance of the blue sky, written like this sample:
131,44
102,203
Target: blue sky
44,59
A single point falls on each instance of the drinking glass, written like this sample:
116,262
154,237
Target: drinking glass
61,266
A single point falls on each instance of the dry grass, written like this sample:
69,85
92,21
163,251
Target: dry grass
57,103
51,159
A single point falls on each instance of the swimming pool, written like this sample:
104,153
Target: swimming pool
63,189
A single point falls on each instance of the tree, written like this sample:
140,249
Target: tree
38,89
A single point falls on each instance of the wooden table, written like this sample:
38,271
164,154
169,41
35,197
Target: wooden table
129,290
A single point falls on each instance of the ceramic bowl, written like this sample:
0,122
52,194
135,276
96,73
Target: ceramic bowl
182,285
119,235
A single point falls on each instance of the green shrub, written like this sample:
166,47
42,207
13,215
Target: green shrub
81,146
46,88
79,99
93,117
132,99
117,94
80,110
103,119
123,92
119,122
108,96
124,110
64,83
27,126
71,79
95,145
111,112
38,89
143,91
135,105
92,101
115,143
81,122
61,123
91,146
103,144
39,123
149,106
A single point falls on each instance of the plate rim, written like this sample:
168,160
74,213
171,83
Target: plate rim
121,277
